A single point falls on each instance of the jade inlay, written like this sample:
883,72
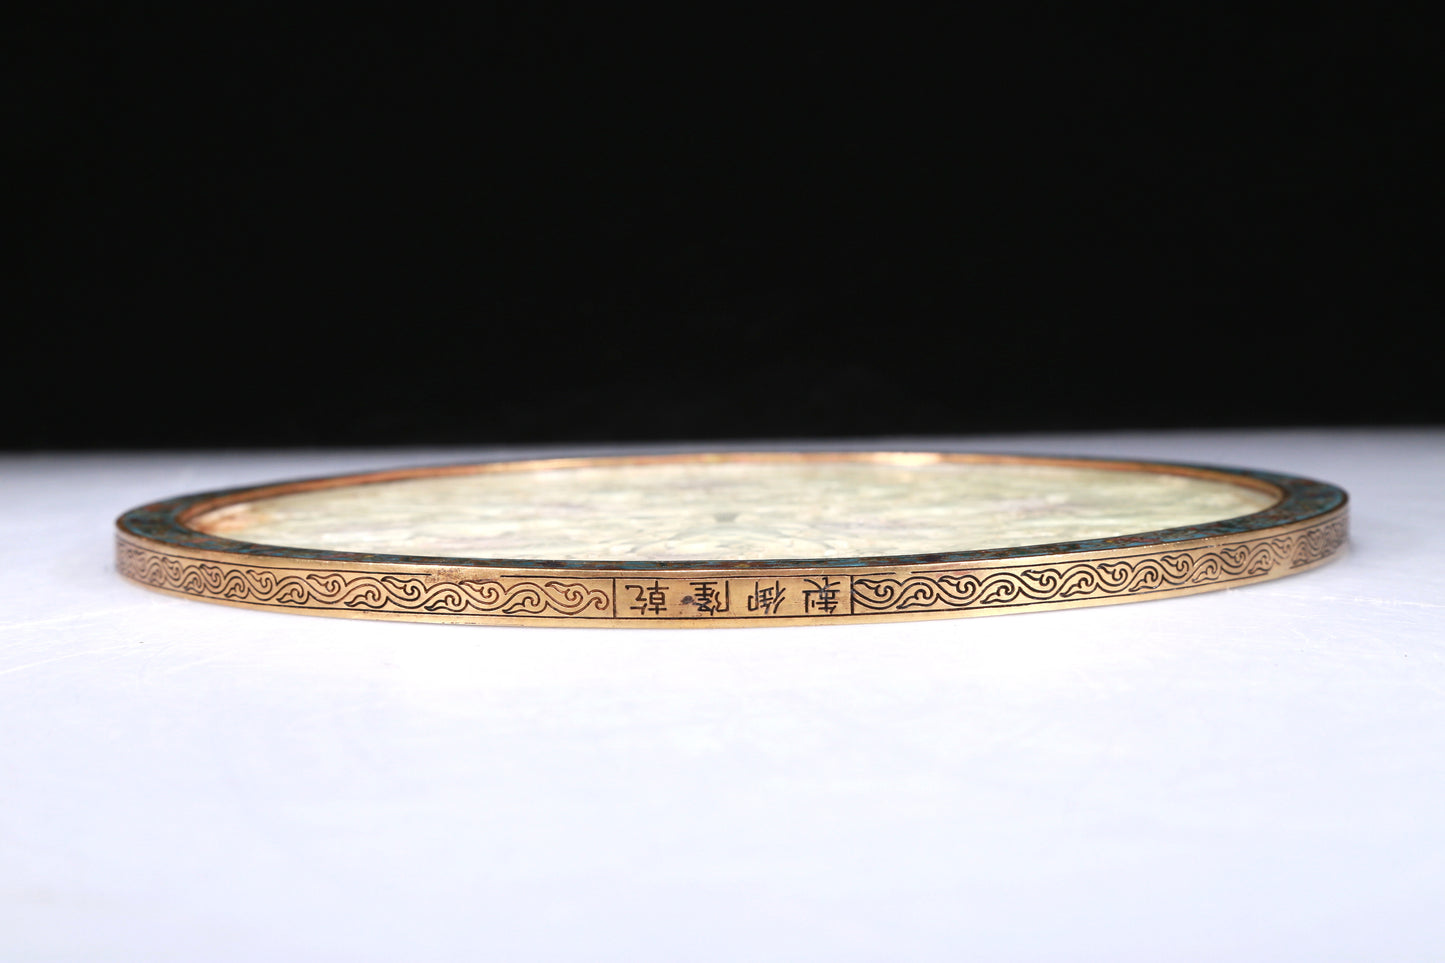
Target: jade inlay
733,510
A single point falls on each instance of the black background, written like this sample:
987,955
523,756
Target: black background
259,227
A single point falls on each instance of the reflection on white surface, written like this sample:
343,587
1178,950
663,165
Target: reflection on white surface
738,510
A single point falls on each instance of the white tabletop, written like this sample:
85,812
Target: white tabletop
1251,774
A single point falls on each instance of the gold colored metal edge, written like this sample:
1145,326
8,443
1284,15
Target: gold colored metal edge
621,599
728,595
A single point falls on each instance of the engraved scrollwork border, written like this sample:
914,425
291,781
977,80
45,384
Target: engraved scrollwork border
392,593
1138,576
